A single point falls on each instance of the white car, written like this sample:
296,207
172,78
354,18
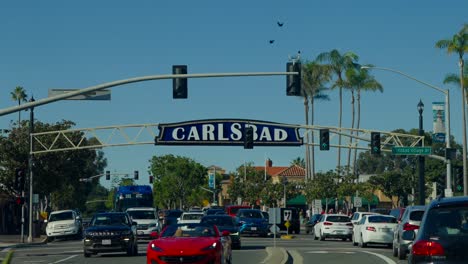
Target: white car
147,220
190,218
357,216
64,223
374,229
333,226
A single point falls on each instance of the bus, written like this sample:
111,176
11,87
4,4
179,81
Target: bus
132,196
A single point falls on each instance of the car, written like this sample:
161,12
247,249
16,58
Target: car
333,226
376,229
110,232
190,217
225,223
64,223
232,209
251,221
357,216
309,225
190,243
443,234
169,217
214,211
410,220
397,213
147,220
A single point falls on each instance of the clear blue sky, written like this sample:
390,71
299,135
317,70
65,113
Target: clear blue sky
77,44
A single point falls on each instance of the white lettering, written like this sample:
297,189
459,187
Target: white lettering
193,134
280,134
265,134
221,132
236,131
208,132
175,133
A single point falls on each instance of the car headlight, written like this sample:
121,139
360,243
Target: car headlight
156,248
235,234
213,246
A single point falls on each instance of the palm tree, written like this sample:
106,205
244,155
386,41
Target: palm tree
455,79
314,77
298,161
360,80
459,45
19,95
338,63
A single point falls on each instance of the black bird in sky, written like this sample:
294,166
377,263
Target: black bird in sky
280,24
272,41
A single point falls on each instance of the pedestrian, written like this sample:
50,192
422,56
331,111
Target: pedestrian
308,214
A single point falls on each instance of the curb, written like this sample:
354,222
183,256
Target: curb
276,255
8,257
22,245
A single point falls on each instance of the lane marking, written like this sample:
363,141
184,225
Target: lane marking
65,259
269,254
326,252
385,258
296,256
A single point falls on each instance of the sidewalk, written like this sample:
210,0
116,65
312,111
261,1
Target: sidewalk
11,241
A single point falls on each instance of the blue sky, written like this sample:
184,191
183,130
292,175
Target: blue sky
77,44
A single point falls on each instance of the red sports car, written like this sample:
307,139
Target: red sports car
190,243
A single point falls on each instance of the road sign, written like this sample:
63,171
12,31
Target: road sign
357,202
287,215
274,229
274,216
411,150
96,95
287,224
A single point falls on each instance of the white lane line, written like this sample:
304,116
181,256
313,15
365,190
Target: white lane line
296,256
65,259
269,254
385,258
326,252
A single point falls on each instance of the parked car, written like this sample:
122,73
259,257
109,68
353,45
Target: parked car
333,226
251,221
309,226
376,229
190,243
147,220
410,220
190,217
64,223
225,223
443,234
111,232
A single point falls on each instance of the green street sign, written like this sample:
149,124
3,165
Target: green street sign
411,150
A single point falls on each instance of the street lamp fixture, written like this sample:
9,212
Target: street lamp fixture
420,107
448,188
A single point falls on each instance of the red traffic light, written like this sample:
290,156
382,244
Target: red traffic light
19,200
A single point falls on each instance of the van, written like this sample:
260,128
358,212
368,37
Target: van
233,209
64,223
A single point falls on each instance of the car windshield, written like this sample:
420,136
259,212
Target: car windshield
192,216
381,219
108,219
416,215
451,222
61,216
189,230
219,221
337,218
250,214
142,214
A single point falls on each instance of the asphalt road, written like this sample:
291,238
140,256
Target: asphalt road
301,249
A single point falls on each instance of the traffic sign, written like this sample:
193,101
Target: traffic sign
357,202
411,150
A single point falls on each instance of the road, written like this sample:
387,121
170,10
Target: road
301,249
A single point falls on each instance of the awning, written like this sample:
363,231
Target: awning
301,200
365,202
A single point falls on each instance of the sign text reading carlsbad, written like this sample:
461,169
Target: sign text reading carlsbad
228,132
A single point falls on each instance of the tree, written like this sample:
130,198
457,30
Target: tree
459,45
392,184
299,162
338,64
322,187
19,95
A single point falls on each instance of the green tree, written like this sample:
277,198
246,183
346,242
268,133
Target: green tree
392,184
299,162
19,95
459,44
338,64
322,187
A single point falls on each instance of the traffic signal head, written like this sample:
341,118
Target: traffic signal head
151,179
135,175
248,138
19,200
20,179
179,85
107,175
375,143
458,179
324,139
293,82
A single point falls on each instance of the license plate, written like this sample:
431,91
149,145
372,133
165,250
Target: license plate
253,228
385,229
339,231
106,242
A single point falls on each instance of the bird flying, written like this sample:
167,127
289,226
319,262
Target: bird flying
272,41
280,24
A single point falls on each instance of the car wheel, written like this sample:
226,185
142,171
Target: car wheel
307,231
86,254
354,242
362,244
394,250
401,253
322,238
50,239
344,239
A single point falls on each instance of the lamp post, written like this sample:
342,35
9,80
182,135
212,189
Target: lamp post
448,188
421,159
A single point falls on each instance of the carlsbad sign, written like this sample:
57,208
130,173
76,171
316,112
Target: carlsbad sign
227,132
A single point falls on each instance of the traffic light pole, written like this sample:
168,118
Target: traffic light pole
31,172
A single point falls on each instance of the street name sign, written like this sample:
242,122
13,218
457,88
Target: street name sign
411,150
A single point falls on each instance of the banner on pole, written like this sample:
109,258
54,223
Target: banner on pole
438,120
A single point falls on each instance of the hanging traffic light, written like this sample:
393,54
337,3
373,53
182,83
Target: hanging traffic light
324,139
458,179
19,200
135,175
248,138
179,85
20,179
107,175
151,179
293,82
375,143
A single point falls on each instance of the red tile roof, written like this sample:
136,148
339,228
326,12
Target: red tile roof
272,171
293,171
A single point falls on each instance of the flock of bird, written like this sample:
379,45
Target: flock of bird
280,24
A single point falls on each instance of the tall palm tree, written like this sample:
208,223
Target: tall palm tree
455,79
19,95
338,63
459,45
314,78
360,80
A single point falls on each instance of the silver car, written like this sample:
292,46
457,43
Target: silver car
410,220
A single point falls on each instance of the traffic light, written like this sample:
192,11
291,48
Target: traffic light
458,179
107,175
135,175
248,138
19,200
20,179
324,139
293,82
375,143
151,179
179,85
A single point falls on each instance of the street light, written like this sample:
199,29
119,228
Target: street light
421,159
448,189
